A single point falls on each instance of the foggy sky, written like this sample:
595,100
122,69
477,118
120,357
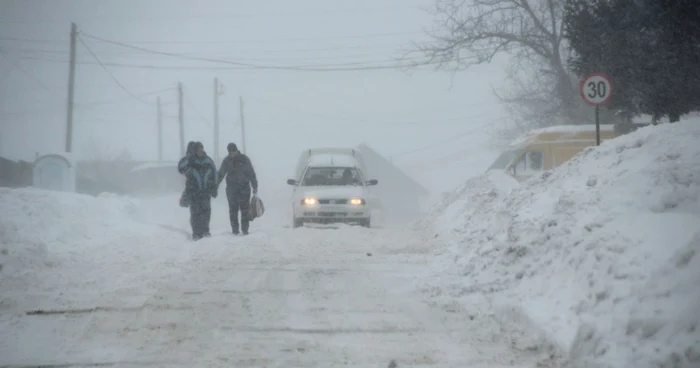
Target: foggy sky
443,117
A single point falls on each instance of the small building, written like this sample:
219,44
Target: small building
402,198
56,171
156,177
129,177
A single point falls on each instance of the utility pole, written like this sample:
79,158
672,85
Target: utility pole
218,91
242,125
160,130
181,119
71,87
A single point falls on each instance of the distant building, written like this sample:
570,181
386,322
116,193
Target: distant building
401,196
129,177
56,171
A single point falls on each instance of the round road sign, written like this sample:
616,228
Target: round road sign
596,89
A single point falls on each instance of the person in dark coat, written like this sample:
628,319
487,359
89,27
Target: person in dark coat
202,181
240,177
184,199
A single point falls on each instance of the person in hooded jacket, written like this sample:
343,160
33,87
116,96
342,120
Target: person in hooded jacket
184,199
202,181
240,177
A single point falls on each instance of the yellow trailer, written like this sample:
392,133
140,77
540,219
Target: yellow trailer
545,149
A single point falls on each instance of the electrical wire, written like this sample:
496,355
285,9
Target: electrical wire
444,161
210,42
112,75
86,105
460,119
196,68
430,146
312,68
356,57
196,110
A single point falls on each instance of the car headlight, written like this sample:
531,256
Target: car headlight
309,201
356,201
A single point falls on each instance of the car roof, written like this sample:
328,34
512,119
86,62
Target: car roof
332,161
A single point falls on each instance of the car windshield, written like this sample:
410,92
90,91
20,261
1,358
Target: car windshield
504,159
330,176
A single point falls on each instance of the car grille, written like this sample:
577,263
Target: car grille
332,214
333,201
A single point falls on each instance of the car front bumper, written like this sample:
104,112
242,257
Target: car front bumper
332,213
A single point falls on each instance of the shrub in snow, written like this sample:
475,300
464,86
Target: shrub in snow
601,253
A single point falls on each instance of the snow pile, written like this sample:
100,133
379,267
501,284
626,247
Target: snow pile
602,254
36,223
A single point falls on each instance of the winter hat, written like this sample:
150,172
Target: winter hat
190,147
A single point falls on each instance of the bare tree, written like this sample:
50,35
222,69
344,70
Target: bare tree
542,91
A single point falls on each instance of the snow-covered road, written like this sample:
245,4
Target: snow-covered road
307,297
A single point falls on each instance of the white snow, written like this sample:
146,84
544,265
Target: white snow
120,285
602,254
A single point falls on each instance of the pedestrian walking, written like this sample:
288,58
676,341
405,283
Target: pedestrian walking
240,179
202,182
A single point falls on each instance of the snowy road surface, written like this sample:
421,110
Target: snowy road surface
277,298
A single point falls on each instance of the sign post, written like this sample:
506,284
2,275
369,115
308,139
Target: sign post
596,90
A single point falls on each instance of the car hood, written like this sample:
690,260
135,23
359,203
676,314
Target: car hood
333,192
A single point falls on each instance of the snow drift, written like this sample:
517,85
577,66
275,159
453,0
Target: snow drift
40,228
602,254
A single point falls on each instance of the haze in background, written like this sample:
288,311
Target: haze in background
435,125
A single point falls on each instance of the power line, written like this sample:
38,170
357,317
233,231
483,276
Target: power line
210,42
212,68
85,105
304,58
112,75
354,120
196,110
444,161
225,16
315,68
32,76
440,142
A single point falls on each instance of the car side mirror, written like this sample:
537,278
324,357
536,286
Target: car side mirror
372,182
291,182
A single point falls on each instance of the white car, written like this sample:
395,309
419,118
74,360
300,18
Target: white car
332,191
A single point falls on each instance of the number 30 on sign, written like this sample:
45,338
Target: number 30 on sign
596,89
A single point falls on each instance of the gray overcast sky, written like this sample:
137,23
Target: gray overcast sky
286,111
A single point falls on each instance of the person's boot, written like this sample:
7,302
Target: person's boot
245,225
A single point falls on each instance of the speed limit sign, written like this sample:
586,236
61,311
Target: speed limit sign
596,89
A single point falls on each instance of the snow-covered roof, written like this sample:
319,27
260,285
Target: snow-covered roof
66,155
573,129
332,160
155,165
564,131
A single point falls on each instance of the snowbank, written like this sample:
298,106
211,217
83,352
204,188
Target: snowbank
602,254
34,224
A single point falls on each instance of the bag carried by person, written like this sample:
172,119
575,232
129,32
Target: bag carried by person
256,209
